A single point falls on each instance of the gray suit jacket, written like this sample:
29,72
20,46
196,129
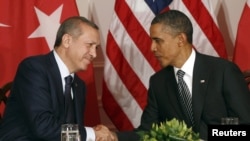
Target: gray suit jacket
35,108
219,90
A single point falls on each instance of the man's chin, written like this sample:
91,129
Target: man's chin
85,66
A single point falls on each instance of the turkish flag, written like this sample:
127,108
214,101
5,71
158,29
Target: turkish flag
242,49
28,27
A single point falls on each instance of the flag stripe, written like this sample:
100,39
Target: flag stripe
132,59
200,39
141,11
131,108
242,50
136,31
139,65
115,110
207,24
129,62
124,71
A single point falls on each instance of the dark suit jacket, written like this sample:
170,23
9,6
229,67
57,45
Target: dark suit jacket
35,108
219,90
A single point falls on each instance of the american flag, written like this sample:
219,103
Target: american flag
242,49
129,62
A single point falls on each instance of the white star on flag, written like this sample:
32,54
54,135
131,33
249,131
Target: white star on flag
48,25
4,25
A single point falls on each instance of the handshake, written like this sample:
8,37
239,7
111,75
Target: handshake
102,133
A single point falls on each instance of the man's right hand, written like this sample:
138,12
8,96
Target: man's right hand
104,134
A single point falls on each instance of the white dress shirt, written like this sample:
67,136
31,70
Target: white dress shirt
188,68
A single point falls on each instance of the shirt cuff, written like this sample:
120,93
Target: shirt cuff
90,134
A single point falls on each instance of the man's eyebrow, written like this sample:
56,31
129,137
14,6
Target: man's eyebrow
156,38
93,43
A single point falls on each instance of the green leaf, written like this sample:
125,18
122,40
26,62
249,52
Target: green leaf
173,130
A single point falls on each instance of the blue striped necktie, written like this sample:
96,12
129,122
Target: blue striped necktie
185,96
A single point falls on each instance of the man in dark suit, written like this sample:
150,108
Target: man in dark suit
217,86
36,106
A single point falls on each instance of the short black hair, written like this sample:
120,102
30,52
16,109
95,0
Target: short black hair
177,21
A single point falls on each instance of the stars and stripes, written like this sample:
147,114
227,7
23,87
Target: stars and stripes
129,62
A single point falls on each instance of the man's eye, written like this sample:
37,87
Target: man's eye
157,41
91,45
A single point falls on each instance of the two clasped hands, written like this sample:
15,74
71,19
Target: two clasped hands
104,134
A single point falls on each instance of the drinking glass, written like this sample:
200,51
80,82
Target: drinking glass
70,132
229,121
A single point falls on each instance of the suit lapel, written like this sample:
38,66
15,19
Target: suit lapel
57,81
200,82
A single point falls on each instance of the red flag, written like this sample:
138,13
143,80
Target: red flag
129,62
28,27
242,49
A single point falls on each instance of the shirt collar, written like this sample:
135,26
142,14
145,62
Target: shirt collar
64,71
188,66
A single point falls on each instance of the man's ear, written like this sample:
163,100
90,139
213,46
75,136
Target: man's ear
66,40
182,38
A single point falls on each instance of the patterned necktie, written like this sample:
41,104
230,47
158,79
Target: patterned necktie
69,103
185,96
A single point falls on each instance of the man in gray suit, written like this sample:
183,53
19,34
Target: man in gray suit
216,86
36,107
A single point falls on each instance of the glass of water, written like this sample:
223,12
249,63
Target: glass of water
70,132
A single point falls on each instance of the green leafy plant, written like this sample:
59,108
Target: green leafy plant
173,130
